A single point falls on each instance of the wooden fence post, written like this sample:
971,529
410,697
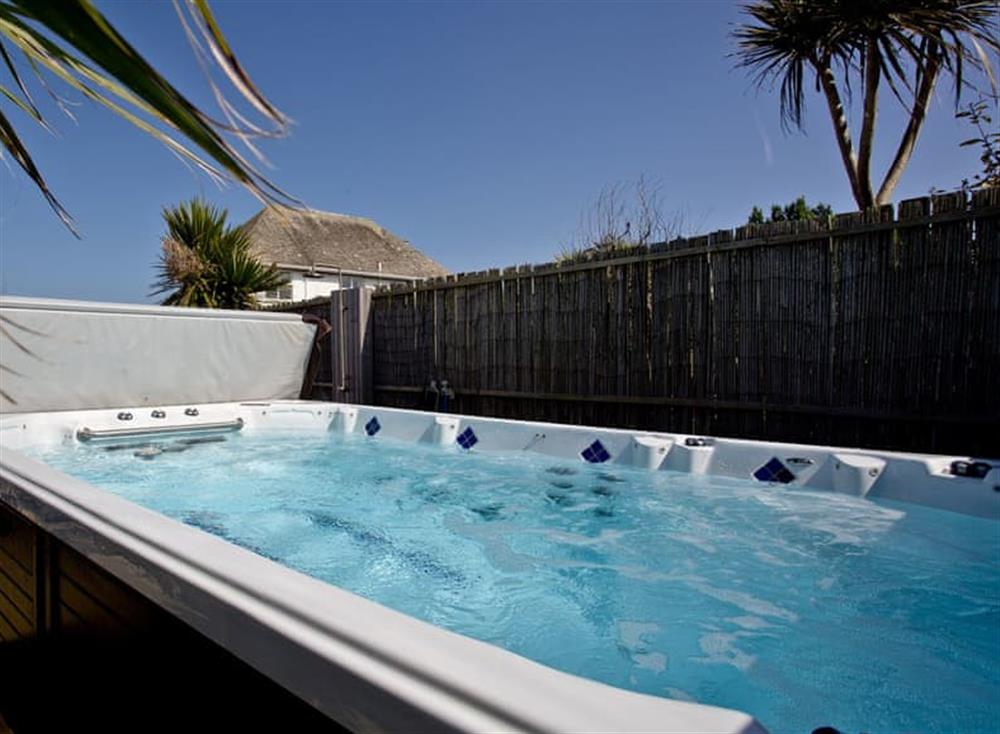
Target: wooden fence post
351,345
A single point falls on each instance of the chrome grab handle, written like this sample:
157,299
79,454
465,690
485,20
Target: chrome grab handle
90,434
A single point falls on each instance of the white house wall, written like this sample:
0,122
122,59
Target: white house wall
304,288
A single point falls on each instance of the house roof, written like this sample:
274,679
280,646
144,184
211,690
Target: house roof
310,238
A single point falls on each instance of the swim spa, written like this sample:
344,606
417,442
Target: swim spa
422,571
698,581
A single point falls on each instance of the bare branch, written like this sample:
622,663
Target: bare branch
623,217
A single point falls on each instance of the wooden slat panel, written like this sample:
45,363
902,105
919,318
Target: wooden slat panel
93,613
23,578
8,630
69,618
17,599
15,618
17,576
17,539
95,596
59,678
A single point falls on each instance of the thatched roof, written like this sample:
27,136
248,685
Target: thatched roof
309,238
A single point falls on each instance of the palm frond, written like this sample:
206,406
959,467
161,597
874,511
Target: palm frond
783,35
228,62
75,42
12,143
25,102
784,41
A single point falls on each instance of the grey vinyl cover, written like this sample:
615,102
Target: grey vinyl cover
77,355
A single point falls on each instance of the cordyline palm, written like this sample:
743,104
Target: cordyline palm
905,45
206,263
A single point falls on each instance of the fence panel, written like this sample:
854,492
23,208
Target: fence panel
872,330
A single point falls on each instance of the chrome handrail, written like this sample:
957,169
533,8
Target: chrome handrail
90,434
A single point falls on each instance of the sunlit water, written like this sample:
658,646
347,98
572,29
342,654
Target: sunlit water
800,607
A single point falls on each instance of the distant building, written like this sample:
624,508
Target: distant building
321,252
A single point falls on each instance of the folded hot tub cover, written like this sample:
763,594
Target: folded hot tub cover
77,355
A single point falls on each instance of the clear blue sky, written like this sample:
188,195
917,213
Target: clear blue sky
478,131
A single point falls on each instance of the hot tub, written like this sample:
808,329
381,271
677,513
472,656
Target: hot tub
377,563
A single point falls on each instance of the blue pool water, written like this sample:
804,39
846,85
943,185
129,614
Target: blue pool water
800,607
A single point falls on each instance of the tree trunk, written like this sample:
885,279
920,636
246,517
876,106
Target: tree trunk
922,99
873,74
841,128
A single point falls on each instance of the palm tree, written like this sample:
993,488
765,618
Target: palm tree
72,41
206,263
907,45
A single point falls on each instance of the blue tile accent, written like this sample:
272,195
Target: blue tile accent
774,471
784,476
373,426
467,438
766,472
595,453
